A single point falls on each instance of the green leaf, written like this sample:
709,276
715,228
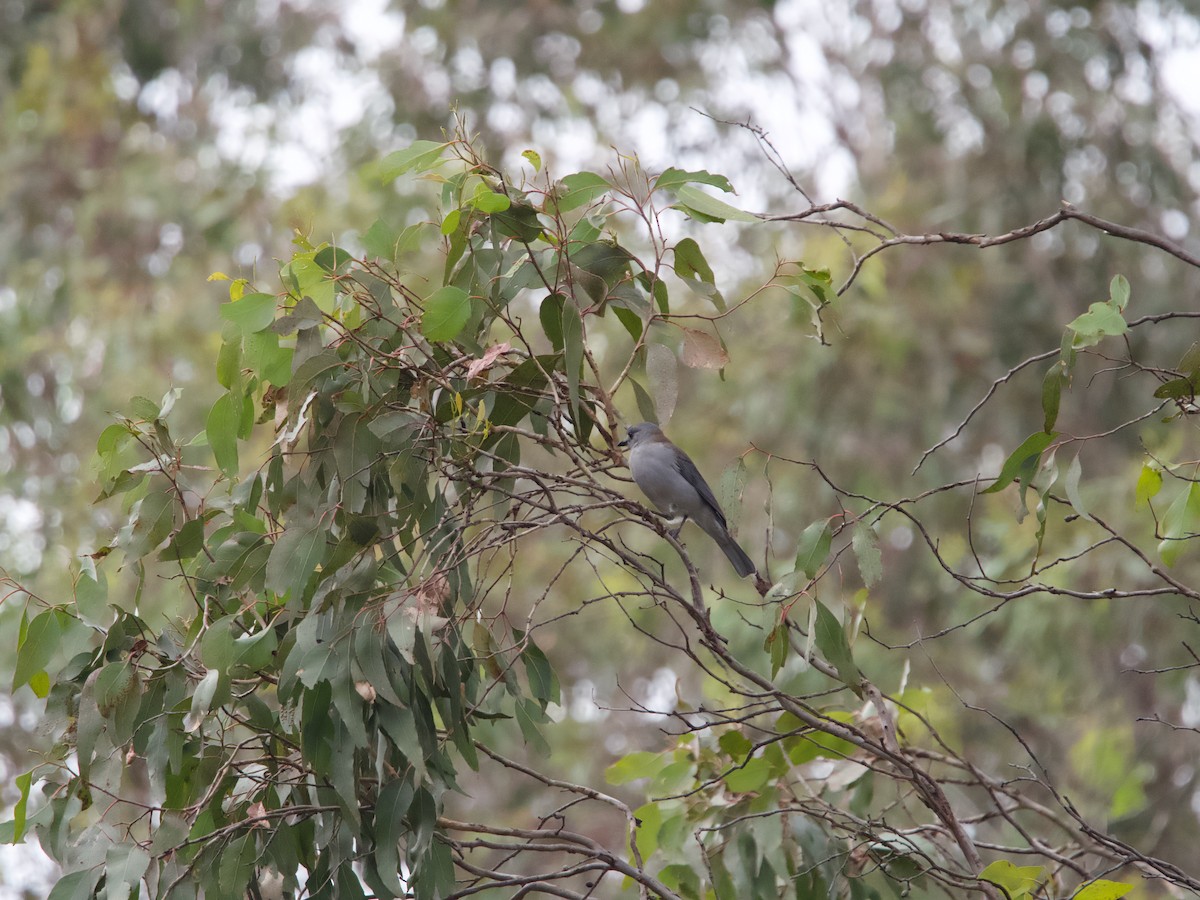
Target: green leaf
645,404
543,683
639,764
1176,389
420,156
865,543
813,548
333,260
750,777
693,200
252,313
490,202
235,867
76,886
1180,523
91,594
1071,484
1102,889
155,518
221,426
1017,881
269,361
777,647
124,866
578,190
23,782
572,335
533,158
831,641
519,221
735,745
649,822
550,314
690,262
452,222
186,544
446,312
1052,388
1149,483
381,240
35,646
390,811
294,558
1020,459
1100,321
673,178
1118,292
529,716
202,699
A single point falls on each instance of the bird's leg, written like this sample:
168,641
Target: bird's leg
677,522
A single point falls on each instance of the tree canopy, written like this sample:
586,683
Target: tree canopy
377,610
352,642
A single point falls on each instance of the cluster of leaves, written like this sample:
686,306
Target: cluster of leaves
305,713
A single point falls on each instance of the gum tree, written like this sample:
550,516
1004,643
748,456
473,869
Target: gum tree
325,618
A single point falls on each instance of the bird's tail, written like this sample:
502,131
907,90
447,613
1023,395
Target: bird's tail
742,563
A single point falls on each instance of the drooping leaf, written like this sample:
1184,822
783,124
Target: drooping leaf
732,485
572,337
661,378
1149,483
813,547
124,866
1118,291
221,426
1071,485
1052,388
36,645
154,519
1030,450
295,556
865,543
550,314
23,781
1180,523
831,641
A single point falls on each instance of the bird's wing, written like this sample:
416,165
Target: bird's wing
687,468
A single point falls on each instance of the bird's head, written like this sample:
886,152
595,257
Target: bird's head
643,433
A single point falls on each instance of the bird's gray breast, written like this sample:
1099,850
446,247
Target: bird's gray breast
654,468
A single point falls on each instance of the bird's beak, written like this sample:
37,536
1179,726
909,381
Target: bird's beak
624,443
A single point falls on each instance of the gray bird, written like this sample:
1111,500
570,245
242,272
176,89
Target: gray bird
671,480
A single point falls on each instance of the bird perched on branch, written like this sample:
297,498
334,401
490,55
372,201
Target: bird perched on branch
671,480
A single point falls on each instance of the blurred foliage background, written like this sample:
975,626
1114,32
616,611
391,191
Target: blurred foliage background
145,145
